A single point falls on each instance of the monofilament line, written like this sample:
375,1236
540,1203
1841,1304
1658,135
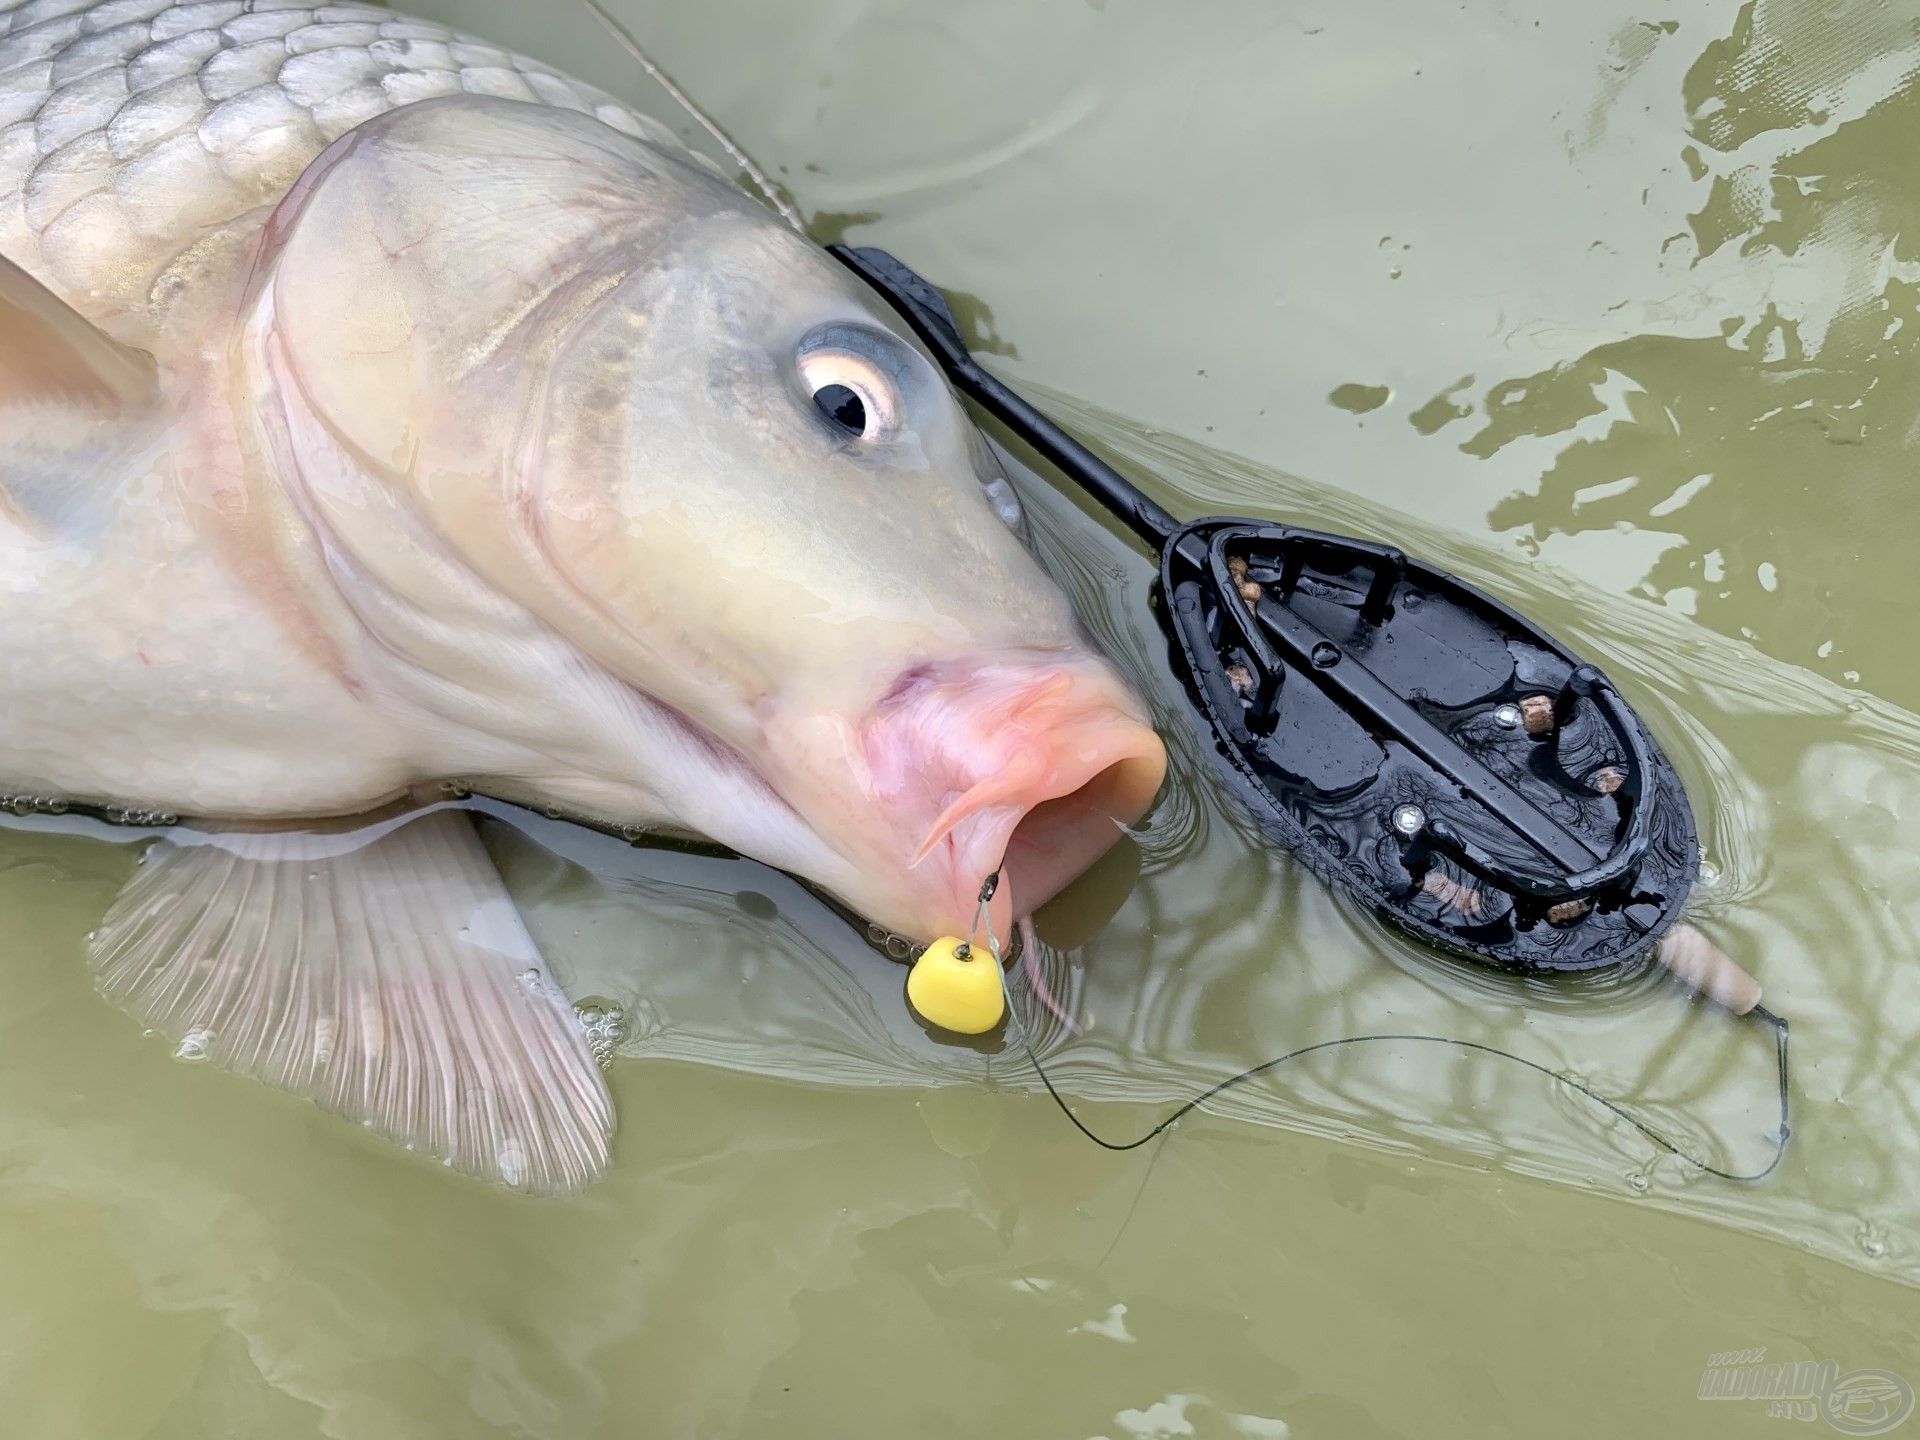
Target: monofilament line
753,172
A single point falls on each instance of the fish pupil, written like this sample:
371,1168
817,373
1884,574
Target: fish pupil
843,406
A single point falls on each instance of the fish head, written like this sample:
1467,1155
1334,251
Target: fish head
751,453
511,352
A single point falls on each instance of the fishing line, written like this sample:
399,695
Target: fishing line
983,923
759,178
1132,504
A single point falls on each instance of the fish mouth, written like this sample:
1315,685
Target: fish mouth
1045,818
1029,770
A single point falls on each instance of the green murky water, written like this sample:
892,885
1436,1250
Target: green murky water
1614,310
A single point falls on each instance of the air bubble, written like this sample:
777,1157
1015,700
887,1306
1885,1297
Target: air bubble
603,1024
194,1044
538,984
1638,1180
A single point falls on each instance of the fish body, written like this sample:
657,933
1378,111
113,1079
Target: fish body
145,148
382,412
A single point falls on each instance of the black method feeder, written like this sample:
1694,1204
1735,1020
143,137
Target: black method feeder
1417,743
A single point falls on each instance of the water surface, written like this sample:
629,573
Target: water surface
1610,308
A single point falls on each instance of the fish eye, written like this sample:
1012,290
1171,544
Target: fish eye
851,392
842,405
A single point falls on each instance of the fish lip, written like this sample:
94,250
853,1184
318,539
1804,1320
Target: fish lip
1046,756
1029,778
1039,836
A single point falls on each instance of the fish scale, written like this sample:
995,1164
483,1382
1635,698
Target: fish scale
131,130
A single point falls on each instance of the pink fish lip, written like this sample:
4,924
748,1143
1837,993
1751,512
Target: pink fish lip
1029,767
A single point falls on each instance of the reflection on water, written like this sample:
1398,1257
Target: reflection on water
823,1220
1765,431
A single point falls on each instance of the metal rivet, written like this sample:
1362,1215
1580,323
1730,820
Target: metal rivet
1507,717
1408,820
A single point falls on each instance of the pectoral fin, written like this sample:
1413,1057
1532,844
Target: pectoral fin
52,355
78,412
388,979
